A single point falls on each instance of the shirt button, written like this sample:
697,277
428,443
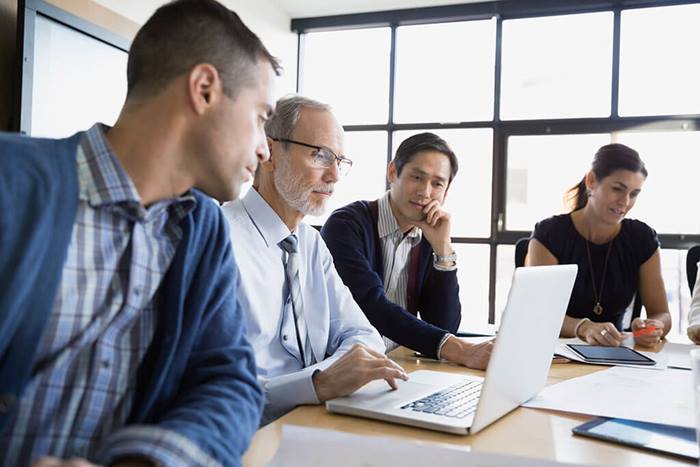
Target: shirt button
7,401
105,363
284,337
137,291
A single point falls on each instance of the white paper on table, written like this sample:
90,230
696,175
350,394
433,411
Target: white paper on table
314,447
678,355
648,396
660,358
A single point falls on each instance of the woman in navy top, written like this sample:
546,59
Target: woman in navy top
616,257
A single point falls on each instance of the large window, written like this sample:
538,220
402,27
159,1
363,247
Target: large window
659,73
525,93
440,88
557,66
356,84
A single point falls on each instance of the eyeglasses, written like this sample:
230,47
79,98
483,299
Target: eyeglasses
323,157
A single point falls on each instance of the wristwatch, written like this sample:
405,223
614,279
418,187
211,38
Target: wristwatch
446,259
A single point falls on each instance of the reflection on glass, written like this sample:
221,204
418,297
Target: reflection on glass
673,161
366,180
540,170
659,69
557,66
72,91
469,196
435,85
505,265
677,291
473,277
350,71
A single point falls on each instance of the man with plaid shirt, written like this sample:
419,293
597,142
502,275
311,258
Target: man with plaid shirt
121,338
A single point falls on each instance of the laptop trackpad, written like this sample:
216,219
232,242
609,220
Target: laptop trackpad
378,394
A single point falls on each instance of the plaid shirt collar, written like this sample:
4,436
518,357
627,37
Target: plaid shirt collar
102,180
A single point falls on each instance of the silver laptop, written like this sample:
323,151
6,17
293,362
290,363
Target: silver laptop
517,370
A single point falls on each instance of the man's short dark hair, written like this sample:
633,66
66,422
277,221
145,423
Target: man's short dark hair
424,142
185,33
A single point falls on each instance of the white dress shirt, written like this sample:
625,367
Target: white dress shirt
335,322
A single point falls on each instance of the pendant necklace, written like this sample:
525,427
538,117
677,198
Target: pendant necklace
598,308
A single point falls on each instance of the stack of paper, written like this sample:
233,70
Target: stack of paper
633,393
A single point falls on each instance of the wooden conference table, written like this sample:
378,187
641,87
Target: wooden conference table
532,433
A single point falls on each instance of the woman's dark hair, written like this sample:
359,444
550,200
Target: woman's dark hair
424,142
607,160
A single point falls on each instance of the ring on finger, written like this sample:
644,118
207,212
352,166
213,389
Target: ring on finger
603,332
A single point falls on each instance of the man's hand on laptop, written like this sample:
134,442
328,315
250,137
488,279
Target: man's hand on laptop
357,367
470,355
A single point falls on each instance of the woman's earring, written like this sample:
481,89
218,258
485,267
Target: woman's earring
589,193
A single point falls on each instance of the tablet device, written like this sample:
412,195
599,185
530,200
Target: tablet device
610,355
675,440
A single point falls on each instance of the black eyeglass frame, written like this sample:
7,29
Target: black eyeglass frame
339,160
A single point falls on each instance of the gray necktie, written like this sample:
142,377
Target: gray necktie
289,245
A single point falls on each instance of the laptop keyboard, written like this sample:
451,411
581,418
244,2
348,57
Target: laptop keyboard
457,401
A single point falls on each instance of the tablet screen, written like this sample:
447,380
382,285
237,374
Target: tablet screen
599,352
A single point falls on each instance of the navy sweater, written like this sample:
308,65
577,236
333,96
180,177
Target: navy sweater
352,236
198,377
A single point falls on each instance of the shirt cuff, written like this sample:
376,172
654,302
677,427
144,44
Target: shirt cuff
159,445
389,345
442,342
442,268
283,393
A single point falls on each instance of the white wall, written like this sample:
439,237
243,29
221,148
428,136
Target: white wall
272,25
264,17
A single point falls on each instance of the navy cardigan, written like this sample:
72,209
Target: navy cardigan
352,236
198,377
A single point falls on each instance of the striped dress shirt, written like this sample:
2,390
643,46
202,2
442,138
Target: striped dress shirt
102,322
396,254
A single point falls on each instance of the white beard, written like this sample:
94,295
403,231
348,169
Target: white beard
294,192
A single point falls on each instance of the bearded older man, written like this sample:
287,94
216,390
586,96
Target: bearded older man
312,341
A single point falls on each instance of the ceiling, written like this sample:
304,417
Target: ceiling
139,11
310,8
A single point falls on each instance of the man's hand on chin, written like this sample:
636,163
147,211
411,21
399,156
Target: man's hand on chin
436,227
